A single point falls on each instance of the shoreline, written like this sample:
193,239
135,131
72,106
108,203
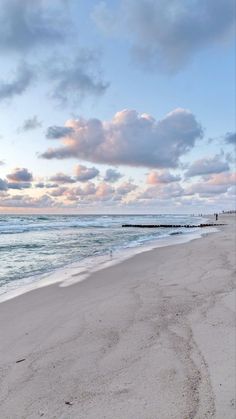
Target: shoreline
75,272
151,337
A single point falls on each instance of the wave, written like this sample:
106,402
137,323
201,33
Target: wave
26,224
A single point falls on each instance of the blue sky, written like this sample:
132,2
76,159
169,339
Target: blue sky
169,64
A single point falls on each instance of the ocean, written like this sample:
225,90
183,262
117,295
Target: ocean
33,246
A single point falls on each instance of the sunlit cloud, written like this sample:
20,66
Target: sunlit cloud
131,139
160,177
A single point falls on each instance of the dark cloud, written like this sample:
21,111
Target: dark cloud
207,166
131,139
3,185
18,85
76,79
26,24
56,132
30,124
62,178
112,175
20,175
31,27
19,185
42,185
83,173
168,33
230,138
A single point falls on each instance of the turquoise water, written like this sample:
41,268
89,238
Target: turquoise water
31,246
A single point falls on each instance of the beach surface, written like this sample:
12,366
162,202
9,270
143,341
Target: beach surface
152,337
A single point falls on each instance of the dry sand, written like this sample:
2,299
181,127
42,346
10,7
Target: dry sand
150,338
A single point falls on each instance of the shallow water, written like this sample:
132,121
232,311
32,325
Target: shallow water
32,246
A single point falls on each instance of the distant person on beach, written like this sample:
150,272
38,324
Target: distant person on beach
216,217
111,254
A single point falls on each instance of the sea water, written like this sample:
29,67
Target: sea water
32,246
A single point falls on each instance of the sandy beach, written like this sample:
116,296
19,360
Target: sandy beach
150,338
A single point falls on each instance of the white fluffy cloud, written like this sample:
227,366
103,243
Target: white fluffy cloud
131,139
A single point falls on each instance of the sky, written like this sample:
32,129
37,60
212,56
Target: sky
117,106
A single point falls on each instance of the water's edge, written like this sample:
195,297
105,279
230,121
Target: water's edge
79,271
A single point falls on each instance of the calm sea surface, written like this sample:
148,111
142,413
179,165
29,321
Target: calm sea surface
31,246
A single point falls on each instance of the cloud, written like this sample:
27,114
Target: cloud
125,188
168,33
56,132
17,86
27,24
215,185
230,138
91,193
42,185
104,191
73,80
57,192
223,179
207,166
78,193
36,31
19,185
160,177
131,139
112,175
26,201
161,191
30,124
62,178
206,189
83,173
20,175
3,185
